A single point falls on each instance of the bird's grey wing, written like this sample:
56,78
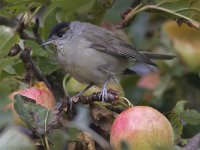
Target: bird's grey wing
107,41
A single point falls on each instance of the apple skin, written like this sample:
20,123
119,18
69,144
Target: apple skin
142,128
39,93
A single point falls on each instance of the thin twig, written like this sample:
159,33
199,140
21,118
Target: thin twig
36,33
32,68
20,29
46,134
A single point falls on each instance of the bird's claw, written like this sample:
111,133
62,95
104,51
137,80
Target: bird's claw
72,100
104,95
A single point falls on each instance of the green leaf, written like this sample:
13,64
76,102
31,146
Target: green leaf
58,138
46,65
8,37
37,50
177,125
8,85
83,10
35,116
179,108
12,138
49,14
190,116
11,8
7,61
187,11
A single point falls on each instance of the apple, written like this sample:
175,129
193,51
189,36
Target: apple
39,92
142,128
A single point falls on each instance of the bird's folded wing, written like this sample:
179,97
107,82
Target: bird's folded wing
106,41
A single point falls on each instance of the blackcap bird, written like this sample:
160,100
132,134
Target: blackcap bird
95,56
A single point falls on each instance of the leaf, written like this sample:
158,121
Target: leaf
6,61
46,64
37,50
12,138
49,14
11,8
184,11
190,116
179,108
83,10
8,37
58,138
36,117
177,125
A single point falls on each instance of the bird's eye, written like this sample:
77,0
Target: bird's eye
60,34
62,31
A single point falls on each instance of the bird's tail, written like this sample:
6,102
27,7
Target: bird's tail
143,68
158,56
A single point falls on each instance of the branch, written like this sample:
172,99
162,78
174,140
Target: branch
193,143
94,97
36,33
23,35
32,69
127,16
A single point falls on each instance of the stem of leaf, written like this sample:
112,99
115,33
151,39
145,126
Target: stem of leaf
141,8
45,130
46,141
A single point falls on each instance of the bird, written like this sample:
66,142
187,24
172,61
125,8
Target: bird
96,56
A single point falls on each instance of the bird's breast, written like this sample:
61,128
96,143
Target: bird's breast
88,65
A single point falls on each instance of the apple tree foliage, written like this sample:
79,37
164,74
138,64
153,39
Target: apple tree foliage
162,26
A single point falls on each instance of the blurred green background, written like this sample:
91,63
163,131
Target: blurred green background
178,79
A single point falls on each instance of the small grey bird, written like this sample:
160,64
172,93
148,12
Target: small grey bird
94,55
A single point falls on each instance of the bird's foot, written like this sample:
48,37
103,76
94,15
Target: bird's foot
72,100
104,95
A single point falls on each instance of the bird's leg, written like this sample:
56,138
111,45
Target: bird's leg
84,90
104,92
79,94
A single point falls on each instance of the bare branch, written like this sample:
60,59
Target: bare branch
32,69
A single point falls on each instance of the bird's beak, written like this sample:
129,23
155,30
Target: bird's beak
51,40
47,42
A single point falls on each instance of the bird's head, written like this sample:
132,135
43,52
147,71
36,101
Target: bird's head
57,33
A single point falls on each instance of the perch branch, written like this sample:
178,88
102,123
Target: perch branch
94,97
32,69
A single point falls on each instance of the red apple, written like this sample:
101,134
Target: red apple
142,128
39,92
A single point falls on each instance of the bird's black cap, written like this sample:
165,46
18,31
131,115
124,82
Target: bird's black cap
59,28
